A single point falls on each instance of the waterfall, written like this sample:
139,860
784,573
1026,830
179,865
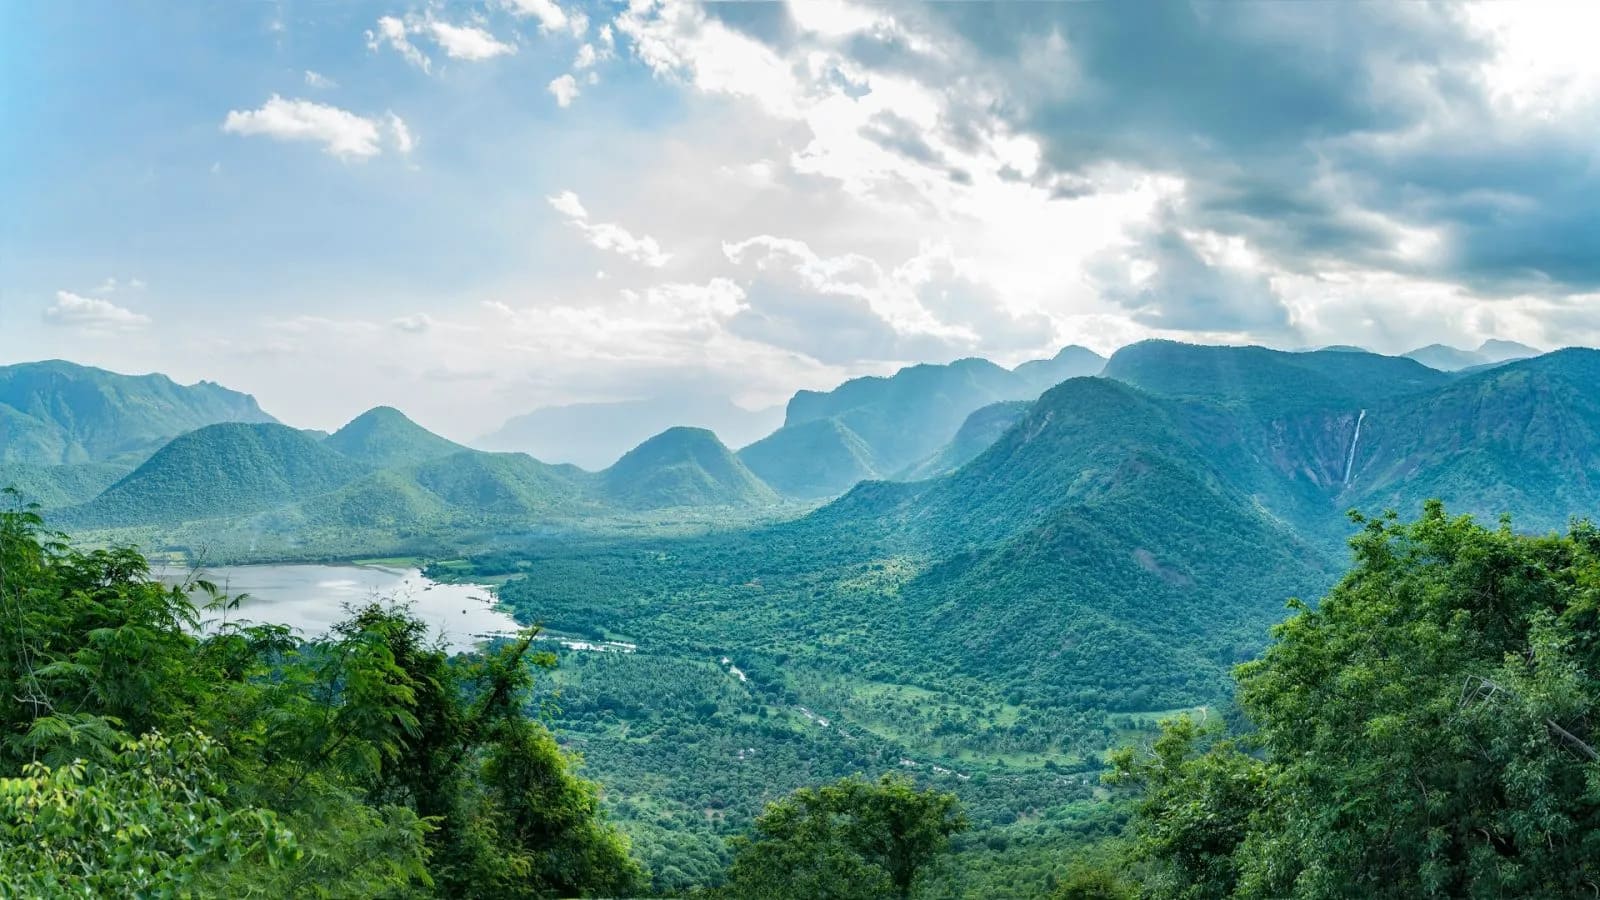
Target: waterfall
1350,461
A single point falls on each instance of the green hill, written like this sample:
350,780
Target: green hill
220,471
57,486
383,438
57,412
682,467
468,486
820,458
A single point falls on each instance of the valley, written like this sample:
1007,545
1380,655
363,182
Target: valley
1052,575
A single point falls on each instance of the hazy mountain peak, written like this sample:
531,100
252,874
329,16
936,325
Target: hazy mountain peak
384,436
683,466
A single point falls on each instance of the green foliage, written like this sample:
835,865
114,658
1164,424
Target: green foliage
853,838
1427,730
386,766
58,486
149,821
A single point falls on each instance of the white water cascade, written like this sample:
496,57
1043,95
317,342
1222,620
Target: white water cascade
1350,461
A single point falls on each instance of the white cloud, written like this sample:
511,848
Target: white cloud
417,323
319,80
112,284
342,133
606,236
564,89
568,204
400,133
393,31
93,315
550,15
468,42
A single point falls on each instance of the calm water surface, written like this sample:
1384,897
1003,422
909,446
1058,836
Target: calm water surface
311,598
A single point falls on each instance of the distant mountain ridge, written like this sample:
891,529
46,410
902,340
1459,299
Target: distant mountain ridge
883,425
56,412
595,435
1453,359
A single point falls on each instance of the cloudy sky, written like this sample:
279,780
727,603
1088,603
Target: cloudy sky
471,210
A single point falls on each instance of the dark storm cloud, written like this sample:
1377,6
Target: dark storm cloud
1321,132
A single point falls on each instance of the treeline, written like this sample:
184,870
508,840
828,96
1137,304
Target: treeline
148,753
151,747
1427,730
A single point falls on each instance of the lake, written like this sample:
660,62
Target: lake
311,598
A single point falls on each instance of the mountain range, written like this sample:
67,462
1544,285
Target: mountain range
1454,359
56,413
1302,435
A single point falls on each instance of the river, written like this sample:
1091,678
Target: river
311,598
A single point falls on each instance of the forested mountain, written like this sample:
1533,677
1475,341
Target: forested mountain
56,486
1521,439
468,486
219,471
882,426
57,412
682,467
595,435
383,437
812,459
1269,381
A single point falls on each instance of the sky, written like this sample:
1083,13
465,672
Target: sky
473,210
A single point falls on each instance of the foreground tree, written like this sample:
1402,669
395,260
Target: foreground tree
1427,730
372,760
850,839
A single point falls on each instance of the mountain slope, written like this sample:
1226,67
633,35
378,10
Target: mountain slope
820,458
220,471
1269,381
1071,362
467,486
383,438
56,486
58,412
977,433
898,422
1521,438
682,467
